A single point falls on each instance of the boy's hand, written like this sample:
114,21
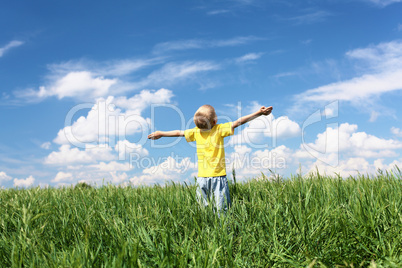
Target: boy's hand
265,110
262,111
154,136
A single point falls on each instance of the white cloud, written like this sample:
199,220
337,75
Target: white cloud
330,112
202,44
333,140
124,148
125,67
356,89
373,116
248,163
139,102
106,119
364,143
346,168
285,74
307,42
63,176
107,68
105,126
310,16
381,69
218,12
118,177
82,81
67,155
14,43
378,58
24,182
379,164
171,169
46,145
383,3
354,166
43,185
112,166
97,174
396,131
283,127
75,84
4,177
245,2
179,45
173,72
346,151
249,57
345,141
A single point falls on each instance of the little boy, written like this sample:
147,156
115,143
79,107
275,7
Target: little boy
211,180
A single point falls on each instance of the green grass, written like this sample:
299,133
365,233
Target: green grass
314,221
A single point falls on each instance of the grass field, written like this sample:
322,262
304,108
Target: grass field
312,221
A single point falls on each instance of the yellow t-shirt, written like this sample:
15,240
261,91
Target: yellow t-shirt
210,148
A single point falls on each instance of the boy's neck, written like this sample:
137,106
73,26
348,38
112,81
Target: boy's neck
207,129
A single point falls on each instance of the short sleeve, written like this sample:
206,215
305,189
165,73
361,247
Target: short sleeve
226,129
189,134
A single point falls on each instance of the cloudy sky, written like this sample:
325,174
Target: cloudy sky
84,83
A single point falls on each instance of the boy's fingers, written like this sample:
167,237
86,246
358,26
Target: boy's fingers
266,110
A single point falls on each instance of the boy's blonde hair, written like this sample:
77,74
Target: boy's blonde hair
205,117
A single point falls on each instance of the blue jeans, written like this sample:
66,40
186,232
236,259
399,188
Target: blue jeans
215,189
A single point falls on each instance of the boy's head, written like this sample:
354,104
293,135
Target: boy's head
205,117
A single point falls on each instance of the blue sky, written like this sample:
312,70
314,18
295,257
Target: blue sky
83,83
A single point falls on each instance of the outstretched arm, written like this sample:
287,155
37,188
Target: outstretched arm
159,134
242,120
